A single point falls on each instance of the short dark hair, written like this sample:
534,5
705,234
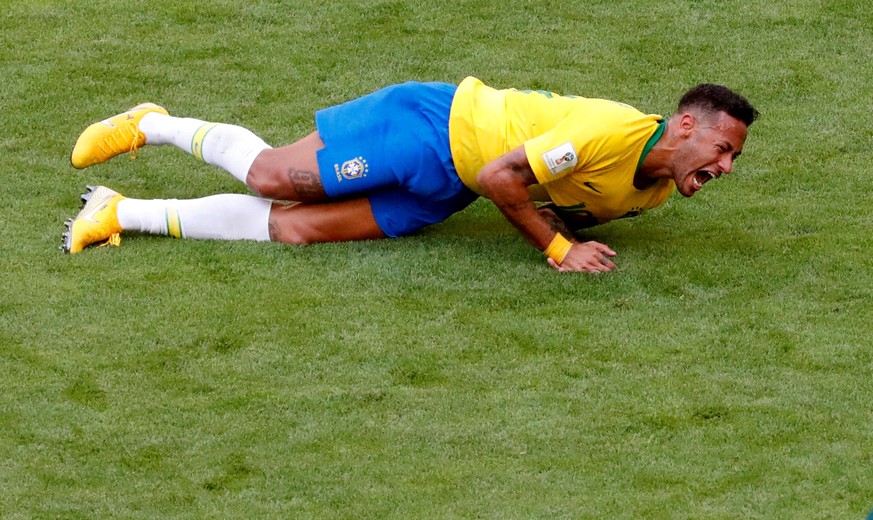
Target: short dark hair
716,98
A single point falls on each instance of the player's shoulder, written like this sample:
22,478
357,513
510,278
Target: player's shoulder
605,108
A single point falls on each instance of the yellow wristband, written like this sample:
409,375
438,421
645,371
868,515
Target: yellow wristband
558,249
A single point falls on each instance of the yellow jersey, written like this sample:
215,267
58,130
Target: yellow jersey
584,152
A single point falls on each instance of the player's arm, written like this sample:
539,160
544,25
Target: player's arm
567,222
557,223
505,180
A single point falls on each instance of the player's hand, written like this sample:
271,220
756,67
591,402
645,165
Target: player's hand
589,257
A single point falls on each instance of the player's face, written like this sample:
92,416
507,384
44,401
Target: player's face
711,145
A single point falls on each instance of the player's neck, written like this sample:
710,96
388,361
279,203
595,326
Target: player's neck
657,163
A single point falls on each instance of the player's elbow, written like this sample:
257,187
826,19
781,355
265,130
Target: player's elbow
493,180
509,174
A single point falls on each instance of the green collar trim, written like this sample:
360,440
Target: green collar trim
651,142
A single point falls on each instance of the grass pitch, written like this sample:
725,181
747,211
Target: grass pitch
722,372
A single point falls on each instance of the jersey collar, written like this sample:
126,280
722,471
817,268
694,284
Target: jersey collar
651,142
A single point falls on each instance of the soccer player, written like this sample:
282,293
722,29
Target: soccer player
406,156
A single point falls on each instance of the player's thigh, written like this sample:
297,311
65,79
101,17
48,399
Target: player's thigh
399,213
289,172
341,221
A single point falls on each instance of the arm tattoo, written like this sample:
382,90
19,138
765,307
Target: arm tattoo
555,222
307,185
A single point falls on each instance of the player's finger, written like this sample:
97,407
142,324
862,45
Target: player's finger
599,268
602,248
554,265
601,263
606,262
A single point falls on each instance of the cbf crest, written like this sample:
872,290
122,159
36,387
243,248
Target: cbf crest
353,169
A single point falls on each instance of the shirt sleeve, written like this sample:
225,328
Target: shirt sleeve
571,146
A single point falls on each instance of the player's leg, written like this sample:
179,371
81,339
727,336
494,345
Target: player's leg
230,147
244,217
217,217
343,221
286,173
107,214
291,172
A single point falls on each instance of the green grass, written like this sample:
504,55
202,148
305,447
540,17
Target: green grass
722,372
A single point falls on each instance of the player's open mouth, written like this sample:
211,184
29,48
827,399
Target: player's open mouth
702,177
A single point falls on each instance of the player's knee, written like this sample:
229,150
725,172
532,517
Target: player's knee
289,230
265,180
294,239
288,234
277,174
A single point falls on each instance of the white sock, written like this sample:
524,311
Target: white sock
230,147
218,217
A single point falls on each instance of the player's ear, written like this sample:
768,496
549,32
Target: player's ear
687,123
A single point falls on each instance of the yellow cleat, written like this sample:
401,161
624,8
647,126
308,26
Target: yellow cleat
114,136
97,223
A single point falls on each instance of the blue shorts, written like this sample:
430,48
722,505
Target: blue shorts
392,146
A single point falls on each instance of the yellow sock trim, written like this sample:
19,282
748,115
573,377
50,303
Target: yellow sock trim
174,223
197,140
558,248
